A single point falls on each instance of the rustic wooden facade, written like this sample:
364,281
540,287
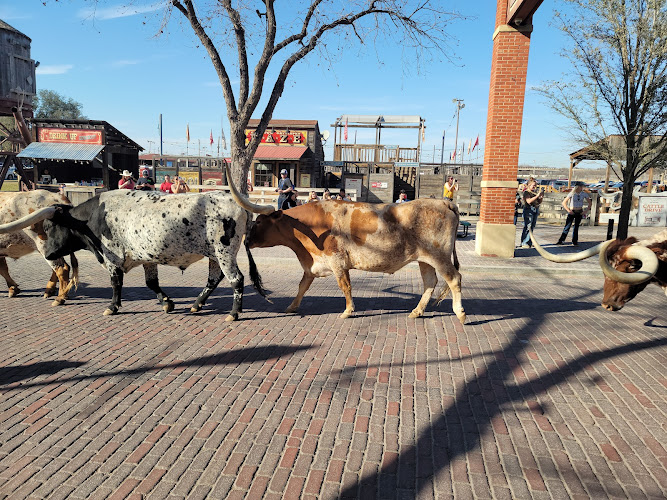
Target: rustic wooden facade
17,71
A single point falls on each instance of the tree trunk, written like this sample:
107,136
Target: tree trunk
241,160
626,205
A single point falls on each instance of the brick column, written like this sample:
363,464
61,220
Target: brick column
495,231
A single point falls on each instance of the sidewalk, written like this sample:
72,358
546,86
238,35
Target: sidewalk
542,394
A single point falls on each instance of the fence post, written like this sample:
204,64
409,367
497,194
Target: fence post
594,209
610,229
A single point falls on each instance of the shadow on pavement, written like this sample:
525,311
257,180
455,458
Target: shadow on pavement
12,374
246,355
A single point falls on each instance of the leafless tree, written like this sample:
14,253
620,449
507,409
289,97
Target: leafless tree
230,31
617,85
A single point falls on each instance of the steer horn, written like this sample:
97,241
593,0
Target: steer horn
566,258
28,220
638,252
243,201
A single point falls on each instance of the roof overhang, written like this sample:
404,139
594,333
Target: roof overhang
61,151
279,152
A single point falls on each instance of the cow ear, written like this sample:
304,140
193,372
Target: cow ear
277,215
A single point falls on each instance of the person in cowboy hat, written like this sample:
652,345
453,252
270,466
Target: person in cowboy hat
126,182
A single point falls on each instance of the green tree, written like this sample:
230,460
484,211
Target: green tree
51,104
617,85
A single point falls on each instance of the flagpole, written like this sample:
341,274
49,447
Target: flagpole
160,136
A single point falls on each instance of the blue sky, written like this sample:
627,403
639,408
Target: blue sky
112,62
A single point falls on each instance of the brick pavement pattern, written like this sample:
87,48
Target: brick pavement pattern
543,394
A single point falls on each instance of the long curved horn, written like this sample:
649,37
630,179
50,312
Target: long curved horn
243,201
645,255
28,220
565,258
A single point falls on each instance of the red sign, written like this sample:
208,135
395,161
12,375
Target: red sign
71,135
280,137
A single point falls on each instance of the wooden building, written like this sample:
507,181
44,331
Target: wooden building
17,71
293,145
87,152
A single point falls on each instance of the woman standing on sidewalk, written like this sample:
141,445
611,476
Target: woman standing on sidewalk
532,198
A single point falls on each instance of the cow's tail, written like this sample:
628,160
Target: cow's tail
254,274
74,280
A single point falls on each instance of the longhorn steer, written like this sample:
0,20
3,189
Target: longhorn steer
332,237
16,243
125,229
628,265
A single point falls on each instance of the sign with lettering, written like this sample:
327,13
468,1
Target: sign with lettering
70,135
379,185
280,137
652,211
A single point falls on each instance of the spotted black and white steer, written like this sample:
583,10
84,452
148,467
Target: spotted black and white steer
125,229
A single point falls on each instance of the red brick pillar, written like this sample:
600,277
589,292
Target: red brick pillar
495,232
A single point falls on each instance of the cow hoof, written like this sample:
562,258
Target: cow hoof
231,317
110,312
346,314
416,314
49,293
14,291
58,301
462,317
195,308
292,309
168,306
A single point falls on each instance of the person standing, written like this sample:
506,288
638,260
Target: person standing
532,198
180,186
451,186
290,202
126,181
145,183
165,187
285,186
574,205
402,197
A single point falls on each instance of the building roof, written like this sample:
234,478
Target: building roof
7,27
286,123
265,152
379,119
61,151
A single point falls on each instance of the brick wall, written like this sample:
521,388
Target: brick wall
503,128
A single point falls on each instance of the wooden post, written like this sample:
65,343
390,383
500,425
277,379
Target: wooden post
569,175
593,216
649,186
605,189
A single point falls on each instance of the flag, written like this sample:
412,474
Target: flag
224,141
187,132
453,154
470,146
211,138
345,131
423,133
476,143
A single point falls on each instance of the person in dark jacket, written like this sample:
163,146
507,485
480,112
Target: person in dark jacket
290,201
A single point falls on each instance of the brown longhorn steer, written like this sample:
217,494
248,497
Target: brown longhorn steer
628,265
17,243
332,237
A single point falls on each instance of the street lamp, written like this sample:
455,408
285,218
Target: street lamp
459,106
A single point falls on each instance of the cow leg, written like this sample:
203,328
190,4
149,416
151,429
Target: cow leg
304,285
152,282
233,274
11,284
430,279
344,284
117,287
453,279
52,284
61,274
214,277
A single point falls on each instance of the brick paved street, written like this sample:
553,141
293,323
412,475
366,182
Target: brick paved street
543,394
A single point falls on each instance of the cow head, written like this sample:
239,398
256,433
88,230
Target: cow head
266,230
621,260
58,225
627,267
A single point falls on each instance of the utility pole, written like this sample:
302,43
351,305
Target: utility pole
442,151
459,106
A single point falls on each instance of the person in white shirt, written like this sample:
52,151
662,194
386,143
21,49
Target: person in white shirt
574,205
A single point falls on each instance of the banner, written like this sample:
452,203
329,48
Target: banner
280,137
70,135
652,211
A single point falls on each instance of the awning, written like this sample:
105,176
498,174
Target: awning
279,152
59,151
